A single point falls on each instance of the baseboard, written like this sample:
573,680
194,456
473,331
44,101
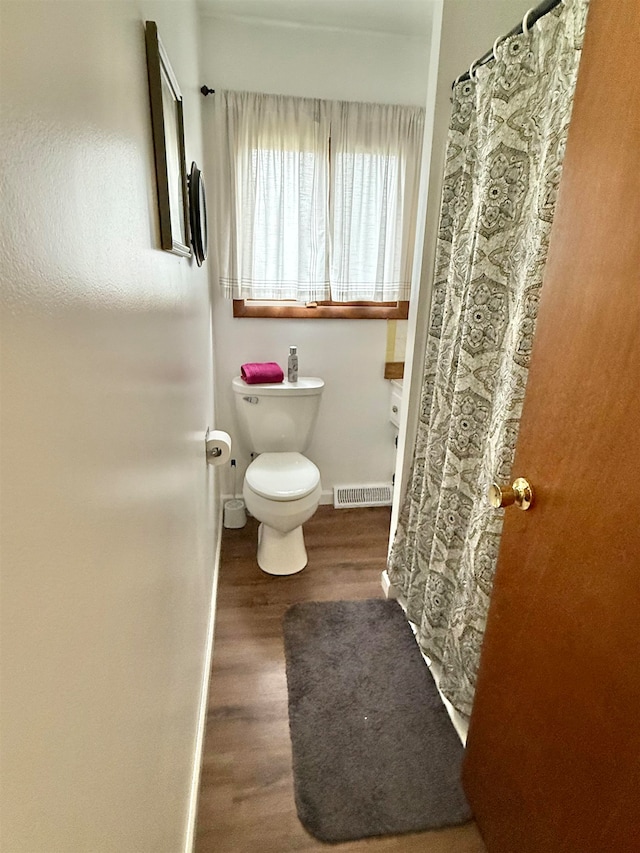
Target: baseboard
387,587
204,698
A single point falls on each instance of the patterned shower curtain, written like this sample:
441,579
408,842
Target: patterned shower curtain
503,163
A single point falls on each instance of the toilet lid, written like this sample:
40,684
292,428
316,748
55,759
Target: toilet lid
282,476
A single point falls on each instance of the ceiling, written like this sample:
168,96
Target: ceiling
404,17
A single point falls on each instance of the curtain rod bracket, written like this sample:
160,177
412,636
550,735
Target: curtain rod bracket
207,91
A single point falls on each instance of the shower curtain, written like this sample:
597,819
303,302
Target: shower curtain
503,163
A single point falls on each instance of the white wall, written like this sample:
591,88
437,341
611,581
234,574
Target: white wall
108,513
354,441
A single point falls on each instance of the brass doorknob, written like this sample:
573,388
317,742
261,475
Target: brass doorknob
519,493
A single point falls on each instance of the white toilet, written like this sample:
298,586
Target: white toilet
281,486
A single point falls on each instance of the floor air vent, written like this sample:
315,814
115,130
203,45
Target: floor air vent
376,494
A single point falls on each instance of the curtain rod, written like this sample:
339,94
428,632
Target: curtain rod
528,21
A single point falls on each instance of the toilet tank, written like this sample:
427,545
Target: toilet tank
279,416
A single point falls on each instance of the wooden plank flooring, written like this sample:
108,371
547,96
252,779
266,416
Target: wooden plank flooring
246,795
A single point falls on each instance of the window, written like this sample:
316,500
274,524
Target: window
317,216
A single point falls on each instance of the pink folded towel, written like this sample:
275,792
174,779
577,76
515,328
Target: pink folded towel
261,371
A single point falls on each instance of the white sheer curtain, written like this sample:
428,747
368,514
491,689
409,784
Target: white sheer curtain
272,196
375,155
315,200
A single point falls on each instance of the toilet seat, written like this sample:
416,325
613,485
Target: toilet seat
282,476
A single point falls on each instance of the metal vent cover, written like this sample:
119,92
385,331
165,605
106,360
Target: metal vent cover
368,494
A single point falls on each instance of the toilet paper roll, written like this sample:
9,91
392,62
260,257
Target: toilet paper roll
218,447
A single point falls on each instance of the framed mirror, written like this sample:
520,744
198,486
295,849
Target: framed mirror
168,143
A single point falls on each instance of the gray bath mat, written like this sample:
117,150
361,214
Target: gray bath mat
374,750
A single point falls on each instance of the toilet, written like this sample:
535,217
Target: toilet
281,486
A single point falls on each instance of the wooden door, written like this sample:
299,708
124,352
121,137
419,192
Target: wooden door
553,754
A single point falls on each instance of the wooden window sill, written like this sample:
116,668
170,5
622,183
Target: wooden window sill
325,310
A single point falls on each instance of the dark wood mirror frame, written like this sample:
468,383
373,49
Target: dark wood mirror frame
168,142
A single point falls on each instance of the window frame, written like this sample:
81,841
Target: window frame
324,310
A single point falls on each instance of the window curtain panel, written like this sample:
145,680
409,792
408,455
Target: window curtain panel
314,200
375,159
271,210
502,171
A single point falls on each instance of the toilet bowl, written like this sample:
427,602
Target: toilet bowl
282,490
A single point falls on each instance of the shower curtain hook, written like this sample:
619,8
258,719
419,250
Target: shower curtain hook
495,46
525,26
471,69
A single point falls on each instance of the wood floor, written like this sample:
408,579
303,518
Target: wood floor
246,796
